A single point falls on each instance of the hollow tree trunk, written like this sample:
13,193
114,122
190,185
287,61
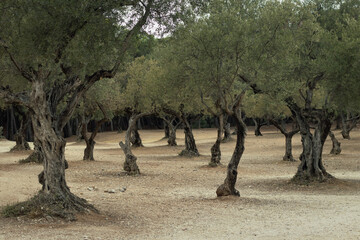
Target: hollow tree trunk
215,149
190,145
21,143
228,187
130,165
336,149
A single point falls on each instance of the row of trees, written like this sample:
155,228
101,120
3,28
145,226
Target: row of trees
272,60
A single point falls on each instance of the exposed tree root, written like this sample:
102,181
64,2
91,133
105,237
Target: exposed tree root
43,205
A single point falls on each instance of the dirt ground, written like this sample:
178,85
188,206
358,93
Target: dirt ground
174,197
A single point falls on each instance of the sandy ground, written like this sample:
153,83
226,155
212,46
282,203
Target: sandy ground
174,197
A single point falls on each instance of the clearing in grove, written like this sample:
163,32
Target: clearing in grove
174,197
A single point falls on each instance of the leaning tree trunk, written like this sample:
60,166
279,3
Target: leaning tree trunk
215,149
228,187
21,143
190,145
336,149
130,165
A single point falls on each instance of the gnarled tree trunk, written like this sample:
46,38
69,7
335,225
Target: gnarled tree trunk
228,187
171,130
348,124
51,145
311,166
336,149
258,124
215,149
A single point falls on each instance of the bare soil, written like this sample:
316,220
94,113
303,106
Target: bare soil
174,197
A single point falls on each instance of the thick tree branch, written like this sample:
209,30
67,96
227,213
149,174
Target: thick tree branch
14,98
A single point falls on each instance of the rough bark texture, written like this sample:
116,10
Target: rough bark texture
228,187
215,149
52,147
166,130
170,130
336,149
172,135
311,167
35,156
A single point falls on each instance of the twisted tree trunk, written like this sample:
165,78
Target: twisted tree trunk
171,127
215,149
130,165
228,187
348,124
336,149
135,138
190,145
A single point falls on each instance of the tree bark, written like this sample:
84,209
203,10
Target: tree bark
348,125
166,130
190,145
311,167
288,140
336,149
21,143
52,148
258,125
171,127
215,149
130,165
135,138
228,187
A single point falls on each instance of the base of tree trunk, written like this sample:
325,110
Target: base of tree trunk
20,147
172,142
224,190
34,157
53,205
130,165
289,158
304,178
345,135
335,151
189,153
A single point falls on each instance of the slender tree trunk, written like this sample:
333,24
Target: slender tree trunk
288,148
258,125
228,187
336,149
345,130
215,149
288,139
